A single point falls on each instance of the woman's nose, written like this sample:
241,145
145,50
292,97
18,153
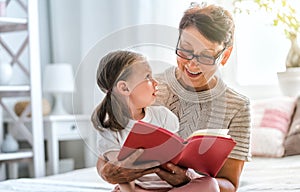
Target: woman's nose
193,63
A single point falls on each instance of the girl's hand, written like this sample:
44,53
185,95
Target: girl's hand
125,171
175,176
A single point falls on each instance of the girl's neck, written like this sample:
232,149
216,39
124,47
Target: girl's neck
138,114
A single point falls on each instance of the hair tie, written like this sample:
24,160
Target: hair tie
109,91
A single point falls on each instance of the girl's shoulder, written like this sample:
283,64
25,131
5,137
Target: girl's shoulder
163,117
162,113
158,110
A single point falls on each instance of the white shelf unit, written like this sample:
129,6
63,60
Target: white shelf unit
8,24
22,154
34,135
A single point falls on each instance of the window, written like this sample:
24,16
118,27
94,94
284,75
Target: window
261,49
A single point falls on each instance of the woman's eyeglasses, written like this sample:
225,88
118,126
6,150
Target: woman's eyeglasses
203,58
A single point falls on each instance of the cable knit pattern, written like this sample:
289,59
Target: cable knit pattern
220,107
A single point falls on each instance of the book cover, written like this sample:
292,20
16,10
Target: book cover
204,151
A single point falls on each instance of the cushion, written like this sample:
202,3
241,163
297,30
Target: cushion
292,141
270,122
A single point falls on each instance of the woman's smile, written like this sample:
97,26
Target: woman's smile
192,74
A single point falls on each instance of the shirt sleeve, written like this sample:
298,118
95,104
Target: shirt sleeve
170,122
240,131
107,141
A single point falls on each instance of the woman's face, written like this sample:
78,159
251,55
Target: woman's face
141,85
191,73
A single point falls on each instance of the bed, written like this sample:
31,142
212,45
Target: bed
261,174
271,174
86,180
275,166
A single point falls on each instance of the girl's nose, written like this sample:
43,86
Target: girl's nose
155,82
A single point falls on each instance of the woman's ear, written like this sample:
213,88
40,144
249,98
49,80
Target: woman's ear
226,55
122,88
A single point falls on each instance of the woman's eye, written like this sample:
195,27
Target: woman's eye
186,52
187,49
206,56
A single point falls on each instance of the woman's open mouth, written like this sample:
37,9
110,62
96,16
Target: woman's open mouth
192,74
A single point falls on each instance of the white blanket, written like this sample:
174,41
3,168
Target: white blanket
86,180
262,174
44,185
271,174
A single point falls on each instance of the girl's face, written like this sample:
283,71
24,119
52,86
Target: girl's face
141,85
191,73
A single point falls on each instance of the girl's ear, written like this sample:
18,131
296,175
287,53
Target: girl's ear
123,88
226,55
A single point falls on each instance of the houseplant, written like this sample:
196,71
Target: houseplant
284,16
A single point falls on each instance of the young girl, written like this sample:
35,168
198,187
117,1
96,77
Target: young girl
126,78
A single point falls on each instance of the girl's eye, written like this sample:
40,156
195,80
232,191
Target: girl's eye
148,77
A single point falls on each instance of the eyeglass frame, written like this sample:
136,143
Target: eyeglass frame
197,56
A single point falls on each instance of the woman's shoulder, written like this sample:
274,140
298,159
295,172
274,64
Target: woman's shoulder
162,77
234,96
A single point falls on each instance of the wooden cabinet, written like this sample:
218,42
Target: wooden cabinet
34,135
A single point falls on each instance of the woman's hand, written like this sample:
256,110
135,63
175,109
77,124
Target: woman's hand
175,176
125,171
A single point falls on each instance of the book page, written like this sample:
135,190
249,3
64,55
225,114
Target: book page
206,153
211,132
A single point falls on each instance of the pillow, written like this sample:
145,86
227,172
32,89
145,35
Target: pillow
270,123
292,141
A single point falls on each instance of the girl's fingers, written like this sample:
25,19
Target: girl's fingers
133,157
147,165
129,161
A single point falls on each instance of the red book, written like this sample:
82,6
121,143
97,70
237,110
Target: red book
203,151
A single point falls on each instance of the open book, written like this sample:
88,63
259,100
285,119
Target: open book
205,151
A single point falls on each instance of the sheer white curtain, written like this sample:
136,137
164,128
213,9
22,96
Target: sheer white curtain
113,24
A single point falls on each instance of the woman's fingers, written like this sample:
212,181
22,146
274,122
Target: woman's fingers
127,170
176,169
148,171
175,175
